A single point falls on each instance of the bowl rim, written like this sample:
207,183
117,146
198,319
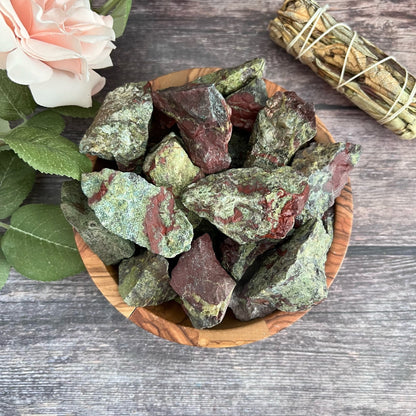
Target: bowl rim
168,320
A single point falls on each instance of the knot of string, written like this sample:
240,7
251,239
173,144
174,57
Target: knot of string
312,23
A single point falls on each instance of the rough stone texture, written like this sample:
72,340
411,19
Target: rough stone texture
129,206
110,248
249,204
169,165
144,280
120,129
237,258
327,167
203,118
246,103
229,80
204,287
290,278
285,124
238,147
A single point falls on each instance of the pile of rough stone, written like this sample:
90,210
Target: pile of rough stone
214,195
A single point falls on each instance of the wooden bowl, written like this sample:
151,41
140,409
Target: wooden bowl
168,320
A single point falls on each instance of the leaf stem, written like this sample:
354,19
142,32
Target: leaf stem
4,225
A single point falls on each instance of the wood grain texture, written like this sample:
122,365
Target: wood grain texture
169,320
64,350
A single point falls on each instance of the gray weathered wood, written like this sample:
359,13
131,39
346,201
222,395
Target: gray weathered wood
354,354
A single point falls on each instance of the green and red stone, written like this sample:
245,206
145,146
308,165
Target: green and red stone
204,287
109,247
246,103
327,166
144,280
170,166
237,258
229,80
129,206
120,130
203,118
290,278
281,128
249,204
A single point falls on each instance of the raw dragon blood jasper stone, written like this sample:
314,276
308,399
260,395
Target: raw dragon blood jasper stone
229,80
169,165
204,287
246,103
129,206
249,204
203,118
121,128
144,280
110,248
237,258
281,127
326,165
290,278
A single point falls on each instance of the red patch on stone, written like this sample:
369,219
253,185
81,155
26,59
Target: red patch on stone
154,225
203,117
244,110
287,215
198,272
102,191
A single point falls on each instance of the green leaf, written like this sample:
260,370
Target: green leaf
4,127
120,10
48,152
40,244
16,181
78,112
4,267
16,100
47,120
121,15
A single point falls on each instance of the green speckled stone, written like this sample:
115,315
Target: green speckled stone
326,165
110,248
249,204
281,127
129,206
229,80
170,166
144,280
121,128
290,279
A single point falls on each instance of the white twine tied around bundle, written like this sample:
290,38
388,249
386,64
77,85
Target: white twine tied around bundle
312,22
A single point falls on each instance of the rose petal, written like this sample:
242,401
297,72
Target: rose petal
40,48
25,13
6,8
25,70
76,66
64,88
7,38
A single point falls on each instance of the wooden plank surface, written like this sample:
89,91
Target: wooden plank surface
65,351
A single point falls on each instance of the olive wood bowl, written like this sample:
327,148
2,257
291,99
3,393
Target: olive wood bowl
169,320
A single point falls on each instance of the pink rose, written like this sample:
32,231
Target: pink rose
53,46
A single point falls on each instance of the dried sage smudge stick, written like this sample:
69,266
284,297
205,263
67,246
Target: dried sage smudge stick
372,80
